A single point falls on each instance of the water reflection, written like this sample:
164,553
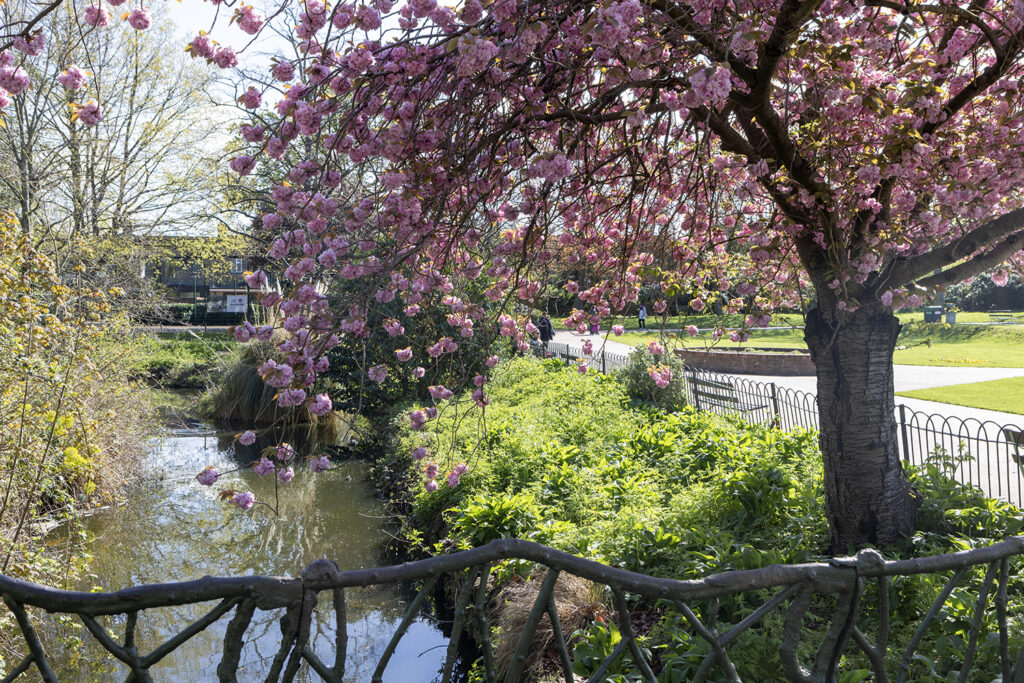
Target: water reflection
176,530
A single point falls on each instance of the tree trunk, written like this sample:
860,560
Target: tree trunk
868,498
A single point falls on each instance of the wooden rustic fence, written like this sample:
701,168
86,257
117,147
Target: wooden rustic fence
788,589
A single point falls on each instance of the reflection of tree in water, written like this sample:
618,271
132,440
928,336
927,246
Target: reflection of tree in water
175,530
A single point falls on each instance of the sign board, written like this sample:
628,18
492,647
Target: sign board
236,303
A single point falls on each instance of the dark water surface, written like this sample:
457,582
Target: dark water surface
173,529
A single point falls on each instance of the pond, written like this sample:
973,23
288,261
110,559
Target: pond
173,529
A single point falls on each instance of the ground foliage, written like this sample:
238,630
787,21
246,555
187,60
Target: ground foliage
570,460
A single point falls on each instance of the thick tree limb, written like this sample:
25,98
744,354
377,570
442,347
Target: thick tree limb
950,10
914,268
978,264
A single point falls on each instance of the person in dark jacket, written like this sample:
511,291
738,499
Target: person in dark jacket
546,330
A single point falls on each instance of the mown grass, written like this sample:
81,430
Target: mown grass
1005,395
935,344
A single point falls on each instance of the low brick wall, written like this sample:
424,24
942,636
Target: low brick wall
749,362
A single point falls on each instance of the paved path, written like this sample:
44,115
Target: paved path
910,377
906,378
610,345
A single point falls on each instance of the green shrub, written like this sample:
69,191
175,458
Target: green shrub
639,384
570,460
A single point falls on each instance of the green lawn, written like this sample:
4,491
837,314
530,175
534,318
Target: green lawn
997,346
1005,395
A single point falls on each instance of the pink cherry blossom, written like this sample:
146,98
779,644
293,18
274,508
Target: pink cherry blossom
90,114
283,71
202,46
321,464
248,19
14,79
247,438
263,467
321,405
73,78
244,500
208,477
377,373
139,19
32,46
243,165
251,99
96,15
225,58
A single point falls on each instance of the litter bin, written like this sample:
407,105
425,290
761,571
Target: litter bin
933,314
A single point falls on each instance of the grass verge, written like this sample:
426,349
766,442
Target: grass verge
934,344
1004,395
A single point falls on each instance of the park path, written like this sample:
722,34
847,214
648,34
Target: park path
911,377
905,378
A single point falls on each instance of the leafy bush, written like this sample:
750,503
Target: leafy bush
570,460
72,424
981,294
640,385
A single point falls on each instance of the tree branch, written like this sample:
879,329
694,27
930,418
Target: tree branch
912,269
978,264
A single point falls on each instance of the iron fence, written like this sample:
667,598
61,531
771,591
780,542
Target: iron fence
819,601
984,454
600,360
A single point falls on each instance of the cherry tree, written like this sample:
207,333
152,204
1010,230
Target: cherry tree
869,152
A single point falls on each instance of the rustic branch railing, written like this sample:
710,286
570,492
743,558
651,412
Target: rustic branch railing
795,588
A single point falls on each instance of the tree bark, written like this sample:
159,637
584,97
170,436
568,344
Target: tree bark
868,498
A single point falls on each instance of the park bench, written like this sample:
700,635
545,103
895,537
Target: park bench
1016,439
1002,316
710,393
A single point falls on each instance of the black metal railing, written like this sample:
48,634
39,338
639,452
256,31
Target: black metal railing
855,627
599,360
984,454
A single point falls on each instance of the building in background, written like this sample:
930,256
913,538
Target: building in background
212,284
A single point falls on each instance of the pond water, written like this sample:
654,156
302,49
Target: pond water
173,529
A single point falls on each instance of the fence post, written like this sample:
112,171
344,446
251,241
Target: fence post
775,406
903,432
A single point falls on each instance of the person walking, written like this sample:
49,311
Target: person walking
641,317
546,330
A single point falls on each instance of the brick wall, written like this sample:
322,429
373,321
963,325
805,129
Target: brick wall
748,362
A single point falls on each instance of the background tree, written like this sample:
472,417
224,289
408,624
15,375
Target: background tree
146,166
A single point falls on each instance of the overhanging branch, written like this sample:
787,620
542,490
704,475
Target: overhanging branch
914,268
979,264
